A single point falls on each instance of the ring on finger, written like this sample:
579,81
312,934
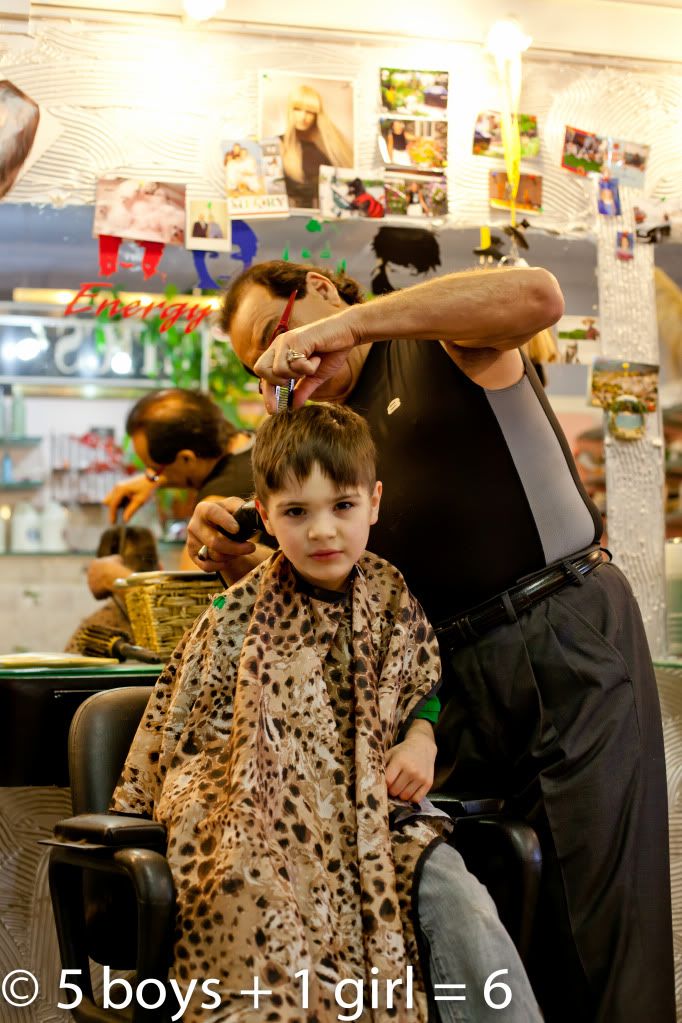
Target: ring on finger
202,553
293,356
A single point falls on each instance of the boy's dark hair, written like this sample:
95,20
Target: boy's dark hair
331,436
178,419
135,544
281,278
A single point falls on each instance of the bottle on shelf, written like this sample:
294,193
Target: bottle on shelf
5,410
7,468
24,529
18,412
53,522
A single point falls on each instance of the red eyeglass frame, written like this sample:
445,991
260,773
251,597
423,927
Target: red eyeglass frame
283,324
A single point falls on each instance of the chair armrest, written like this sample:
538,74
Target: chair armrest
111,830
154,898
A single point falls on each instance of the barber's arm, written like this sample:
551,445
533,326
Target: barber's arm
232,560
496,311
102,574
136,490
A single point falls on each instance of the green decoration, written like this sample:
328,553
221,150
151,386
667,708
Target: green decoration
326,253
314,226
341,266
219,602
285,254
305,254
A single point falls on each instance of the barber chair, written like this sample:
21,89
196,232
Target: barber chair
111,887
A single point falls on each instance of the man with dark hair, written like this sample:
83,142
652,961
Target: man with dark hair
549,690
185,441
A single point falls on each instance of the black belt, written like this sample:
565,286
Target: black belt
470,626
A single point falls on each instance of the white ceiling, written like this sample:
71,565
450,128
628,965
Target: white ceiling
628,28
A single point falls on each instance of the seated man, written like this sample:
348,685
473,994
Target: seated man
123,550
288,748
185,441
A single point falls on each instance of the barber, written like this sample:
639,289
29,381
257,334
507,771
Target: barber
185,441
550,694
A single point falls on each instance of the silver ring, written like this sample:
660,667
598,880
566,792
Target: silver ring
202,553
292,356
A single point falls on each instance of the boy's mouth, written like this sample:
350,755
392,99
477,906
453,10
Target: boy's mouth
324,555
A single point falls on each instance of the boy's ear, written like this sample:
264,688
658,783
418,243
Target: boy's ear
263,512
186,456
375,501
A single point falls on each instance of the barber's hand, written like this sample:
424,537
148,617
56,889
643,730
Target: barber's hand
136,490
202,531
409,764
103,572
326,345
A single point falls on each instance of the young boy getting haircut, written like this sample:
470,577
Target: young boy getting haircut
290,719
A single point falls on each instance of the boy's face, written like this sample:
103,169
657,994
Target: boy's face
321,528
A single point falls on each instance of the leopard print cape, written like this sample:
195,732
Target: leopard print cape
262,751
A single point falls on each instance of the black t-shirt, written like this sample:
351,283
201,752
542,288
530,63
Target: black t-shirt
468,506
230,477
304,193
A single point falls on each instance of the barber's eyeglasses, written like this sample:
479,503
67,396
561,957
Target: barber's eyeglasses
283,324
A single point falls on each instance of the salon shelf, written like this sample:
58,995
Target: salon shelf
19,442
22,485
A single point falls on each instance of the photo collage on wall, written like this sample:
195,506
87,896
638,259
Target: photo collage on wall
487,142
413,141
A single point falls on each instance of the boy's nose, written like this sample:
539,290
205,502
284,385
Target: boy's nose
323,526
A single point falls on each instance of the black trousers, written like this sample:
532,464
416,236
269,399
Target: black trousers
558,711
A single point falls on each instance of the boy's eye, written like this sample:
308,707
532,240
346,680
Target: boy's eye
294,513
344,505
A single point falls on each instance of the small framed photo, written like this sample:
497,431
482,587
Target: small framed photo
583,152
347,195
420,145
488,135
608,198
416,196
142,211
625,245
208,225
528,196
414,93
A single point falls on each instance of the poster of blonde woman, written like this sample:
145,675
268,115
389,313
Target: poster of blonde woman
314,120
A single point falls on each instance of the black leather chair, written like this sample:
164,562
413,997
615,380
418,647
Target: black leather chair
111,887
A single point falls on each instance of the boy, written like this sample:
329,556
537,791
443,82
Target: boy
290,720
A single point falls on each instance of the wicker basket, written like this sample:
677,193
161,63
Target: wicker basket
162,605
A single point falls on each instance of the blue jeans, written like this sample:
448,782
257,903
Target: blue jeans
466,944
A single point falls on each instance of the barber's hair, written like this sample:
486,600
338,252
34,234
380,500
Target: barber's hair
332,437
22,115
176,420
135,544
335,146
281,278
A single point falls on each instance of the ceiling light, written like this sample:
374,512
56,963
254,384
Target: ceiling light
202,10
507,39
